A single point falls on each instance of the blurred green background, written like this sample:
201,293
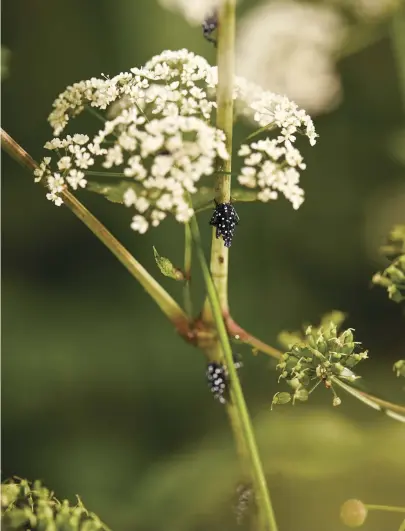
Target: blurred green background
100,397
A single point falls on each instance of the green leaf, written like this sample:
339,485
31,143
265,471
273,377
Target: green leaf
113,190
167,268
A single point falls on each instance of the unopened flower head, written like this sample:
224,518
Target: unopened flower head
321,354
289,47
158,141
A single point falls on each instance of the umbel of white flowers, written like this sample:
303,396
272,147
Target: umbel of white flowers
158,142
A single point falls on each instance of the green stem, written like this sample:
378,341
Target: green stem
165,302
188,248
96,114
240,416
107,174
388,508
225,61
402,526
394,411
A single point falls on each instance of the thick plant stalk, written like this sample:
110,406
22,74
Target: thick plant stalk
165,302
225,61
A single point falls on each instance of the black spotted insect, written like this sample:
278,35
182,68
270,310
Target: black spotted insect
218,380
209,25
225,220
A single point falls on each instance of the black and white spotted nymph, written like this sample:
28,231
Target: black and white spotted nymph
218,379
225,220
209,25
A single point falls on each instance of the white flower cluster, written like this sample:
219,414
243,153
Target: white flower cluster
166,156
272,165
158,139
171,83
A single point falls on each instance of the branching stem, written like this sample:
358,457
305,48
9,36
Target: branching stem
165,302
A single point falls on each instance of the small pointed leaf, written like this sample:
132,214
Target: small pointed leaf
167,268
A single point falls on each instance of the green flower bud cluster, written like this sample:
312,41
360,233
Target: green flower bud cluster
320,355
34,507
393,277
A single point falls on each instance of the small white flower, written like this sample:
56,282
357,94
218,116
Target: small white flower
267,194
56,199
139,224
129,197
56,183
80,139
244,150
83,158
42,169
76,179
64,163
142,204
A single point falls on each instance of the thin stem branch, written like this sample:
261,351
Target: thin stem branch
188,251
165,302
240,418
387,508
240,334
394,411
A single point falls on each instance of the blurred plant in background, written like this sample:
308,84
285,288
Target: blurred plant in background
26,506
293,47
393,277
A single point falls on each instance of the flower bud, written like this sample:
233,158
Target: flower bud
353,513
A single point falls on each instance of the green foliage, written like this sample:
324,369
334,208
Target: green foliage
34,507
167,268
112,189
321,354
393,277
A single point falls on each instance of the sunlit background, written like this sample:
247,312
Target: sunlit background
101,398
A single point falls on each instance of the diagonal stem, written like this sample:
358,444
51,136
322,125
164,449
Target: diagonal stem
165,302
